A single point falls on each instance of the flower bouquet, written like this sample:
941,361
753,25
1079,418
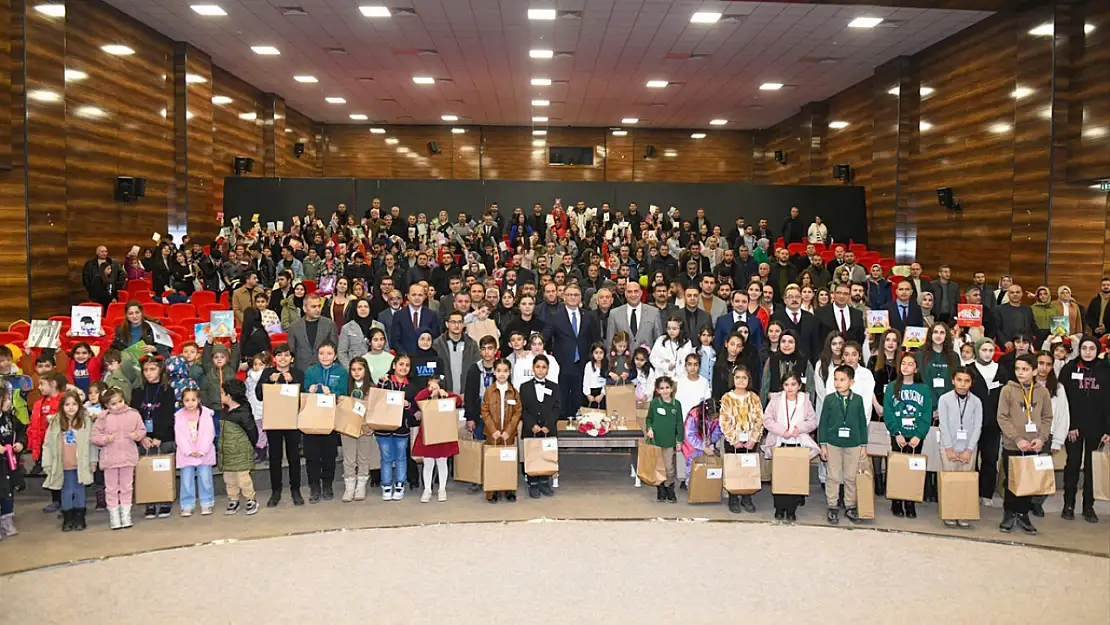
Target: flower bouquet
593,423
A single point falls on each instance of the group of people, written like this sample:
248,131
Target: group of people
524,319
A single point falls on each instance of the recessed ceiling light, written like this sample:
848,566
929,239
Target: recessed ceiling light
391,141
249,116
52,10
335,100
630,120
865,22
117,49
377,131
1000,128
837,125
375,11
539,133
458,131
90,111
657,84
75,74
539,119
705,17
620,133
43,95
265,50
449,118
1044,30
670,153
306,78
209,10
541,102
539,143
541,14
221,99
771,86
925,126
1022,92
194,79
718,122
541,82
424,80
698,135
358,117
541,54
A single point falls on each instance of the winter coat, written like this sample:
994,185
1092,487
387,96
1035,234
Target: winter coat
156,405
1012,417
214,377
205,437
1088,388
12,431
52,455
238,435
492,417
126,427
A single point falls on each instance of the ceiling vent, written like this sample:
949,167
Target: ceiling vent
569,15
335,51
292,11
402,11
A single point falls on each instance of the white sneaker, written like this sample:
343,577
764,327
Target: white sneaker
985,501
632,469
398,493
638,484
387,493
555,482
426,496
442,496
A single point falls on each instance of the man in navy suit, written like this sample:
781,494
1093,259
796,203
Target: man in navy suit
410,321
728,322
904,310
570,331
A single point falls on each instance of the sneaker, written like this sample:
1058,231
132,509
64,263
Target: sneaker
441,496
986,501
510,496
232,507
911,510
151,512
791,517
297,499
165,511
328,492
963,525
833,516
387,493
534,491
205,510
274,500
746,503
852,515
474,488
1037,510
314,494
631,470
897,509
780,515
734,504
555,482
1007,524
426,496
950,524
252,507
492,497
398,492
186,513
1068,513
1026,525
1090,516
638,483
671,497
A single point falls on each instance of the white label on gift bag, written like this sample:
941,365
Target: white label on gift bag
938,382
714,474
508,455
745,437
462,414
325,401
549,444
748,460
360,409
917,464
1077,375
845,432
163,464
1042,463
446,405
290,390
961,435
1030,426
395,398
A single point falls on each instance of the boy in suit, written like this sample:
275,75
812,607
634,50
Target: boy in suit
540,403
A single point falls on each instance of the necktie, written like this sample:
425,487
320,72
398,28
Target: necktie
902,311
634,325
574,325
843,321
416,319
794,316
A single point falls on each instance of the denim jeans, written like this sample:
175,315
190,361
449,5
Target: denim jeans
73,492
191,477
395,450
7,506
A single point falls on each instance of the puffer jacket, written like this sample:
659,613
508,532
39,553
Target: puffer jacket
238,436
52,455
214,376
177,370
126,427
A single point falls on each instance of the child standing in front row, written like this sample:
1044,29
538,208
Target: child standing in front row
69,459
196,453
13,438
93,410
329,378
236,446
843,443
394,444
259,363
664,428
115,433
501,412
961,421
357,450
435,455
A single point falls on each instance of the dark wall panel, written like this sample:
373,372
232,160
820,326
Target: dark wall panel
423,196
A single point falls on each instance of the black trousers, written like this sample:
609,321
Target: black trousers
989,441
570,383
319,457
1079,454
291,439
1010,501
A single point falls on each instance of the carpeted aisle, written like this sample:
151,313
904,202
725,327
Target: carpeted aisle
607,573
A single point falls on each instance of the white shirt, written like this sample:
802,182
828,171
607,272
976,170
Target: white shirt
639,315
690,393
847,320
667,356
591,379
795,315
413,311
737,317
522,369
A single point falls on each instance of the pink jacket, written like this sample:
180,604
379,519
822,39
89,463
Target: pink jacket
206,435
127,428
775,420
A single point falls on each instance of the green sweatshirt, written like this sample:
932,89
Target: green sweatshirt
935,373
843,411
665,419
910,413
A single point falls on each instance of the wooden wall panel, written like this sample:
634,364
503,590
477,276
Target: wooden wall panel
719,157
788,136
193,121
850,145
299,128
466,154
514,154
6,84
14,291
1089,156
237,130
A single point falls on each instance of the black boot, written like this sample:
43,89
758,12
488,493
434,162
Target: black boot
275,499
1068,514
897,508
67,520
101,499
911,510
746,503
1025,524
660,493
79,519
1089,515
734,504
314,492
328,494
671,497
1037,510
295,493
1008,520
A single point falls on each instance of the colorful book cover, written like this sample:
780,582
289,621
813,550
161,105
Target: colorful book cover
200,334
135,351
44,334
878,321
85,320
1061,326
222,323
969,315
914,336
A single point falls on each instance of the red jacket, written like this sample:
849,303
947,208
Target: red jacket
93,365
36,430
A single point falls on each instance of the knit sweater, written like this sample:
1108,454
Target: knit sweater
961,421
908,412
843,420
665,421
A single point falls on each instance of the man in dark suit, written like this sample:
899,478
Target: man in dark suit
540,411
920,285
737,316
803,323
839,316
411,320
904,310
308,333
694,317
569,333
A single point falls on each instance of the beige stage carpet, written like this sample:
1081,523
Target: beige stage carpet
600,572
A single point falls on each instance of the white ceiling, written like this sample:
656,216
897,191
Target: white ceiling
481,56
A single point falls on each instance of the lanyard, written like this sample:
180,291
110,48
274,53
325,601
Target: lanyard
790,413
962,401
148,404
1027,401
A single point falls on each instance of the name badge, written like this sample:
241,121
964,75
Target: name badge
744,437
907,422
511,402
845,432
803,379
938,382
149,423
961,435
993,385
432,366
1077,375
661,411
1030,427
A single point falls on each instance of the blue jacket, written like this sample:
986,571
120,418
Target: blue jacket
724,327
878,293
333,377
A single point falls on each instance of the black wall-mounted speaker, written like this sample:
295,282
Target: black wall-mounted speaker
243,164
433,148
649,151
298,149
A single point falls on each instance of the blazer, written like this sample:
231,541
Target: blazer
353,343
491,413
305,352
914,317
649,325
830,322
545,414
561,342
725,325
469,357
693,322
402,334
808,330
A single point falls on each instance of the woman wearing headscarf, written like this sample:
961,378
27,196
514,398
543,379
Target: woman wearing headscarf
788,359
987,380
1086,381
354,338
1068,307
1044,309
292,307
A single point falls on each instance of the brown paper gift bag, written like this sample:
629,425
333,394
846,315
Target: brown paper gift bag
622,400
649,464
931,450
958,494
350,414
764,467
865,492
1031,475
468,464
742,474
439,420
317,414
154,479
414,433
499,468
1100,473
878,439
905,476
790,471
281,403
1059,459
707,474
384,408
541,456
